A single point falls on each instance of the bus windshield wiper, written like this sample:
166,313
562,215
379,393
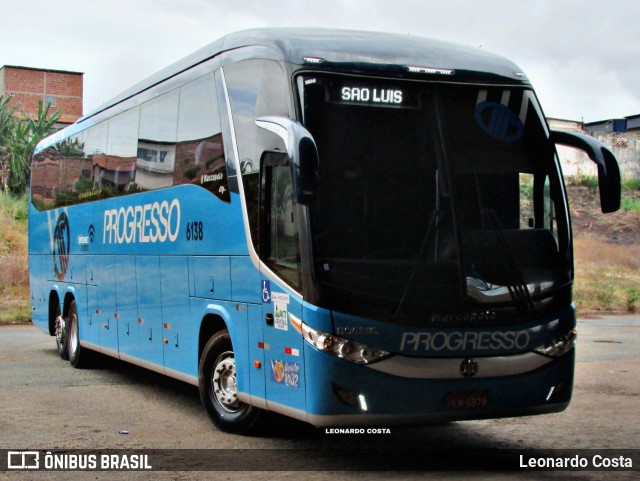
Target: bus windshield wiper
515,283
418,267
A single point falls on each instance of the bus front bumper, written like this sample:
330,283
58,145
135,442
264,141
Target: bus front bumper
339,393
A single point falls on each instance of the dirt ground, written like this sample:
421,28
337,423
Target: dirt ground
588,221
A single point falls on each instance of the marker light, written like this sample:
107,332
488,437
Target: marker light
313,59
363,402
430,70
550,393
559,346
342,348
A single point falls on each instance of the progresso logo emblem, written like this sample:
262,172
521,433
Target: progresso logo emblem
499,121
61,243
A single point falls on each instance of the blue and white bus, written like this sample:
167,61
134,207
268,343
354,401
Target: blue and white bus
346,228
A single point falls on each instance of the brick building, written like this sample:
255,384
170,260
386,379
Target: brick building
60,89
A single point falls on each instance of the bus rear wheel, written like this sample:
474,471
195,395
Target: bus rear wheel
62,341
78,356
218,388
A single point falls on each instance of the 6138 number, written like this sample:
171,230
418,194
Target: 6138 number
195,231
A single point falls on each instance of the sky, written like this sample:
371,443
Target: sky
582,56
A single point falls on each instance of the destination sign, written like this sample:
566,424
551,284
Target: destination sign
372,95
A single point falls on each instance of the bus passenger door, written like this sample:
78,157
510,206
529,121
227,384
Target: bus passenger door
281,307
284,369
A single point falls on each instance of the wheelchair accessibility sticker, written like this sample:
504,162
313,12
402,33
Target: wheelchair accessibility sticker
266,292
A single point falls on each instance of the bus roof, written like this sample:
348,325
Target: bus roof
349,50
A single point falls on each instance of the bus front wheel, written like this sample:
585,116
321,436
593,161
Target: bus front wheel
218,388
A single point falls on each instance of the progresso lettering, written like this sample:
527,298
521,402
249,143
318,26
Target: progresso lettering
148,223
462,341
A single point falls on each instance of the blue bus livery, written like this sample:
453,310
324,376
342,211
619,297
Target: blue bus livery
347,228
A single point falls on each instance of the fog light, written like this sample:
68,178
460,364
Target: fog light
347,397
351,398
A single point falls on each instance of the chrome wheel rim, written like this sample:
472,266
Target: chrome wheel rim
59,330
73,334
223,382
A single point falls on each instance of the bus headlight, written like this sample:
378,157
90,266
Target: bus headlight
559,346
342,348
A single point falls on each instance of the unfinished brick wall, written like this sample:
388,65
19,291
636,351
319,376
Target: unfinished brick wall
28,86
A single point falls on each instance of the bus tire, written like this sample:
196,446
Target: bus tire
78,356
62,341
218,389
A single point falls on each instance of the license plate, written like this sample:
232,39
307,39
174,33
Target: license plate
466,400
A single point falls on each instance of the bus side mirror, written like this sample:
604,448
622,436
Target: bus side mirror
608,169
307,170
302,152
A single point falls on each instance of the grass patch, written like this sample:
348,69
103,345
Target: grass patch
584,180
14,261
592,181
607,276
630,205
631,184
633,298
15,207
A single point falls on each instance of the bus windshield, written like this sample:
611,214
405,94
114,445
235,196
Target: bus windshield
433,195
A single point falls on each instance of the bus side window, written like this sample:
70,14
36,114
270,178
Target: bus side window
279,233
257,87
156,155
200,151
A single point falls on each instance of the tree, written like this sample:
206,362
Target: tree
7,126
18,138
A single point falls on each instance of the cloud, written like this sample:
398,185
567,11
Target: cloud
581,55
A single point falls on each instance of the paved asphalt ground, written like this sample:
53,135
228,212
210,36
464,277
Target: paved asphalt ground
46,404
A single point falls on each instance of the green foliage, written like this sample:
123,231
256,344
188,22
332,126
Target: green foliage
605,295
592,181
7,120
18,138
70,148
630,205
585,180
633,296
631,184
15,207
